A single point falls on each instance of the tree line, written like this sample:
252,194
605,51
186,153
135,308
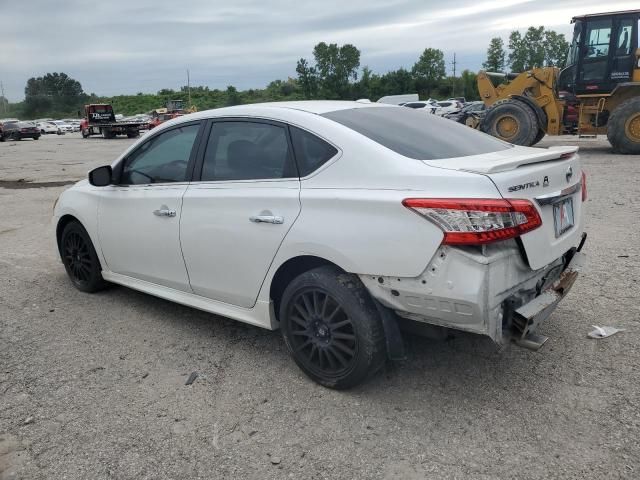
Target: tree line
333,72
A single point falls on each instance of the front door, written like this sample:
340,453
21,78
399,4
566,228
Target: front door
235,218
139,218
594,71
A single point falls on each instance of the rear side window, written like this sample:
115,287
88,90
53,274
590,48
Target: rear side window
311,152
247,151
415,135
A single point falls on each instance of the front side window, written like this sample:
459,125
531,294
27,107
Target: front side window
243,150
162,159
311,152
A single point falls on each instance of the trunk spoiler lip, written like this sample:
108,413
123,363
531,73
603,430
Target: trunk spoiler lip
502,160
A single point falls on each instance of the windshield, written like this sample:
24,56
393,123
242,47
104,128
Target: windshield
416,135
572,57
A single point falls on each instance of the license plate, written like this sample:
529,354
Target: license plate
563,216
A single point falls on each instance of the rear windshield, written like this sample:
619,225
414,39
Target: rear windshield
417,134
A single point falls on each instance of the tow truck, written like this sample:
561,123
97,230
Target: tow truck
99,119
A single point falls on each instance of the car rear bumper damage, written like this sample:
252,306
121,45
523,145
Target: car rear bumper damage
487,290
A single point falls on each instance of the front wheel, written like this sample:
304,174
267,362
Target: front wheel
332,328
623,128
80,259
511,120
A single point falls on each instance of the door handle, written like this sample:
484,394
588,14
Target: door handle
164,212
276,220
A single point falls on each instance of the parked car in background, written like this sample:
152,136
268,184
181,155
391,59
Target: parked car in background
63,127
47,127
75,124
462,115
19,130
447,106
428,106
331,221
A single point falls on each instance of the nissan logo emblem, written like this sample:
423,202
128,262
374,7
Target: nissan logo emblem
569,174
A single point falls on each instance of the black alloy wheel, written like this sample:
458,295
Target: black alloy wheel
321,333
80,259
332,327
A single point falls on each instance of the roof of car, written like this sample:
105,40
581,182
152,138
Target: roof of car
318,107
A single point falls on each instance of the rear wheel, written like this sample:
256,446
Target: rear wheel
36,137
332,328
623,130
106,133
80,259
512,121
133,134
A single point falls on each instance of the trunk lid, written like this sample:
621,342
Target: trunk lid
550,178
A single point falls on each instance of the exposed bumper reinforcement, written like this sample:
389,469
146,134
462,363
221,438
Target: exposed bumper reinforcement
528,317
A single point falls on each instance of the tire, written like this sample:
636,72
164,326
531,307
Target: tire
37,137
512,121
623,128
133,134
2,138
16,137
80,259
42,132
106,133
331,327
539,136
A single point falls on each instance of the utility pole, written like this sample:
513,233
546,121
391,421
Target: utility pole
189,87
4,107
453,88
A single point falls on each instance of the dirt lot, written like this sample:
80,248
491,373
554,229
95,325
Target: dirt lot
93,386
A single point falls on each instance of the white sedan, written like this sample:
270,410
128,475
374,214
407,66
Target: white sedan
47,127
337,222
63,127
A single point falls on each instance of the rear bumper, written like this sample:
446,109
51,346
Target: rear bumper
488,291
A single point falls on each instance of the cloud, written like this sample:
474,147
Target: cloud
121,47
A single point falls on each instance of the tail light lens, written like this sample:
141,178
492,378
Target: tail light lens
584,186
477,221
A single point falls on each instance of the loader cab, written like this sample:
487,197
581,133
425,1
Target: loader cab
603,53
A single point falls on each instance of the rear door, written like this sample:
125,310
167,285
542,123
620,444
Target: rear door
236,216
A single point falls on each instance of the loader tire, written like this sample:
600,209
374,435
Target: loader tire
539,136
511,120
623,129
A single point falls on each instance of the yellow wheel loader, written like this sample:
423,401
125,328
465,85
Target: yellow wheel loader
598,90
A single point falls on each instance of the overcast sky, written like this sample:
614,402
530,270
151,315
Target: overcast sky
124,47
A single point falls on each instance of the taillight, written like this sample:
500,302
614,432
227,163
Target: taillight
584,186
469,221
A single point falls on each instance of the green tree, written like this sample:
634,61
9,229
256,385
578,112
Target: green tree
537,48
336,68
307,78
555,48
469,85
429,70
397,82
53,91
495,56
233,97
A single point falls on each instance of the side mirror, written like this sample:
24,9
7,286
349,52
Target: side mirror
101,176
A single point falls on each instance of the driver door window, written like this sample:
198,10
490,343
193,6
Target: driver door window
162,159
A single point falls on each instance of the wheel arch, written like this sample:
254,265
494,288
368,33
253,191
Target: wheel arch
289,270
63,222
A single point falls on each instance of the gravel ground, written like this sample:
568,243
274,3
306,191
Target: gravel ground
93,386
